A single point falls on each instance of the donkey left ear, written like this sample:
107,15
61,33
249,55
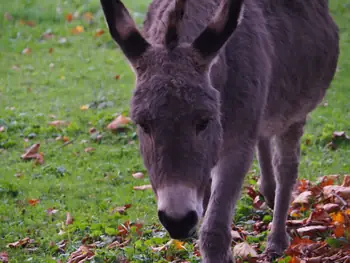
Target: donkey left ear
123,29
219,30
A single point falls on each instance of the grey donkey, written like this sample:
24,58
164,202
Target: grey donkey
216,80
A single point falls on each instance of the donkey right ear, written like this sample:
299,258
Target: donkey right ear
123,29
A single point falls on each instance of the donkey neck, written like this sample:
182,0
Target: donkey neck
197,16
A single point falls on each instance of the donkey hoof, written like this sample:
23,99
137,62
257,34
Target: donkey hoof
269,195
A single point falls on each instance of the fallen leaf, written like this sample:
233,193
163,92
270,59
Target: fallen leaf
4,257
92,130
8,16
19,175
20,243
89,149
117,77
142,187
83,254
69,17
27,23
84,107
121,209
51,211
58,123
88,16
328,180
244,250
138,175
47,35
118,244
303,198
119,122
2,128
50,52
311,230
69,219
338,217
340,190
33,202
77,30
27,51
346,181
330,208
179,245
99,32
32,153
339,230
163,247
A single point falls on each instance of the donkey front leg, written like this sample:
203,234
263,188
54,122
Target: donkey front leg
286,163
227,180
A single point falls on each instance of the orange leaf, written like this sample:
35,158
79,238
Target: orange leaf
295,260
33,202
338,218
99,32
179,244
339,230
118,122
117,77
27,23
77,30
69,17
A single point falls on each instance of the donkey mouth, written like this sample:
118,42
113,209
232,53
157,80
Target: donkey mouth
179,228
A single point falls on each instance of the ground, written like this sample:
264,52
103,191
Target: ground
57,62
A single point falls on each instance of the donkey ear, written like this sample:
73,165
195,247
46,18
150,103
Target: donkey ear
123,29
220,28
175,17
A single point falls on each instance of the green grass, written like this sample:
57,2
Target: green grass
81,70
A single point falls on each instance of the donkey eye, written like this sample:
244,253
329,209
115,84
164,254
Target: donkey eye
145,128
202,125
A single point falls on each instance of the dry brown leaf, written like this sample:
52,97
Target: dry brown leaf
244,250
121,209
88,16
311,230
89,149
138,175
235,235
346,181
27,23
50,52
330,208
32,153
328,180
4,257
58,123
117,77
20,243
69,219
164,247
117,244
99,32
51,211
92,130
344,192
143,187
119,122
26,51
83,254
303,198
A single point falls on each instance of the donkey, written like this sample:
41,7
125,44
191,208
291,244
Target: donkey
216,80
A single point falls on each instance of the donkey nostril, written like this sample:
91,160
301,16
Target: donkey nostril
179,228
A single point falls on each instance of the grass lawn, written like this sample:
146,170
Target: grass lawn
49,69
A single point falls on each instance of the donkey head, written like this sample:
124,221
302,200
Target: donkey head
175,107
